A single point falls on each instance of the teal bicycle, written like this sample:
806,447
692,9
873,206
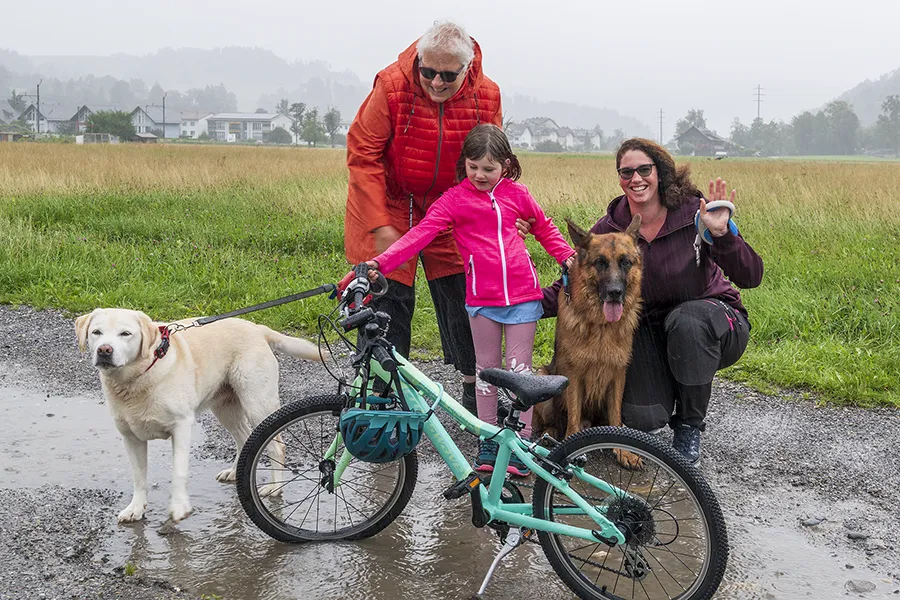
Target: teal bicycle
343,467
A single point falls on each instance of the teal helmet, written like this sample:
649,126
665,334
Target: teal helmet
380,436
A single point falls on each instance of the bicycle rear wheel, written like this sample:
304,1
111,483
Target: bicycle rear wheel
284,485
676,542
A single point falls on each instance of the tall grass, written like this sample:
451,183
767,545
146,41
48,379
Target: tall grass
179,231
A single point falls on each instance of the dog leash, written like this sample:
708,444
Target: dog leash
322,289
167,330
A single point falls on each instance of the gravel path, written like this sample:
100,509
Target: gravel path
779,462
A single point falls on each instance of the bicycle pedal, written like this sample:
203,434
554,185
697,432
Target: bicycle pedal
462,487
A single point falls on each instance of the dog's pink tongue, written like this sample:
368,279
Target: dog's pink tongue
612,311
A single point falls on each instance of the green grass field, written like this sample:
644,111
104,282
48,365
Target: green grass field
181,231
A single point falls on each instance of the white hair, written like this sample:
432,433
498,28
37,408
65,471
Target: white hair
447,37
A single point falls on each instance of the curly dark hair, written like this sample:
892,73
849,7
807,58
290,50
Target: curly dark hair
488,140
675,187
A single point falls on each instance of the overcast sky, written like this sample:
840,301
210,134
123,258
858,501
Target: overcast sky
634,57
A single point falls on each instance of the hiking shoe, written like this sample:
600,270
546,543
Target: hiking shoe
517,467
468,398
687,442
487,456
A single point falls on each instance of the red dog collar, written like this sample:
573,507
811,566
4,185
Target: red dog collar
163,346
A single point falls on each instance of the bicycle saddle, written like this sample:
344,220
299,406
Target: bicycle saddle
529,389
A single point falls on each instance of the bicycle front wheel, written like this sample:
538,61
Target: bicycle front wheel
287,487
676,543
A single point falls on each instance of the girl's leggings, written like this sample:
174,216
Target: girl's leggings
488,337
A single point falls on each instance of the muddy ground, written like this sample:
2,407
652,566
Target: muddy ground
796,481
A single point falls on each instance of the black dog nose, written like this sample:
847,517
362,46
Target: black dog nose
615,293
104,350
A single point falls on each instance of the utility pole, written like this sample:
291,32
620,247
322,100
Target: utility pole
759,96
660,127
164,114
37,117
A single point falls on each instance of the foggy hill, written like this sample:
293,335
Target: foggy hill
867,97
259,79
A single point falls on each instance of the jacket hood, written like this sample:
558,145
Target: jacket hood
408,61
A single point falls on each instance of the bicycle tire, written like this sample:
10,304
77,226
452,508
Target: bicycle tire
264,509
671,465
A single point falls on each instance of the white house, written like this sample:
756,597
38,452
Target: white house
194,124
150,118
56,117
227,127
30,117
520,135
566,138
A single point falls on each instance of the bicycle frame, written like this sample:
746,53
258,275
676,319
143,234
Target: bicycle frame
421,394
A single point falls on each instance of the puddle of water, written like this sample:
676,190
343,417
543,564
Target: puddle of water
777,563
431,551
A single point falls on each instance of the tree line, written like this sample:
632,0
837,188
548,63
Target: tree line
835,129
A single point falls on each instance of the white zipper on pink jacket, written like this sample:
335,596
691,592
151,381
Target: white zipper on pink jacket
500,241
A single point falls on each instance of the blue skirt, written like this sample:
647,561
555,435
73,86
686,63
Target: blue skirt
527,312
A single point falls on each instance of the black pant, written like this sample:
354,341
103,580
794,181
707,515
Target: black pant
449,296
674,361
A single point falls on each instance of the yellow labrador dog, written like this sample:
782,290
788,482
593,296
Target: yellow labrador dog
226,366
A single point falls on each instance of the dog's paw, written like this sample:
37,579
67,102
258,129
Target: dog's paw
270,489
629,460
227,476
179,511
133,512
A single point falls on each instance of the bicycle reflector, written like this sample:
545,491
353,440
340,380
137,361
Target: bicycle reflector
380,436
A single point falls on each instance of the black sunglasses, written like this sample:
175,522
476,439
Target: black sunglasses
643,170
446,76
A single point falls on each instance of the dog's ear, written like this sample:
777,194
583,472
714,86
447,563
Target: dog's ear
635,227
150,336
579,236
82,325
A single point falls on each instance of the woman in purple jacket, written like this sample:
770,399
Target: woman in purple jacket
693,322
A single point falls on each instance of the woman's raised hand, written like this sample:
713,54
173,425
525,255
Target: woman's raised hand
717,220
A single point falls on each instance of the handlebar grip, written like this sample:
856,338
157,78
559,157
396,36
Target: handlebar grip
384,358
355,320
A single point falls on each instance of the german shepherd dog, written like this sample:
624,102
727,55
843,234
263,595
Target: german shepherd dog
594,333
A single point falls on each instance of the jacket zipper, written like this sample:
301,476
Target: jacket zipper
472,271
500,243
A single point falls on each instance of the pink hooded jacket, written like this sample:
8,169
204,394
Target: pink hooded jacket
499,270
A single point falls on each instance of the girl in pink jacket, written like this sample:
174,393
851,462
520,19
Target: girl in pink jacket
503,294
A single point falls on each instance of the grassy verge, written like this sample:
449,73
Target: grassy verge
179,231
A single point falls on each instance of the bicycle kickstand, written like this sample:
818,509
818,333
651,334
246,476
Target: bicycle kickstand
515,538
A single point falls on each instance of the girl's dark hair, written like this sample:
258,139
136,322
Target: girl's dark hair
488,140
675,187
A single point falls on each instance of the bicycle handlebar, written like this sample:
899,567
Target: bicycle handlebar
384,358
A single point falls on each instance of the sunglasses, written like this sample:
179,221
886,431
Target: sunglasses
643,170
446,76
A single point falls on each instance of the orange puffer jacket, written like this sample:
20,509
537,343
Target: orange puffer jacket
402,150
